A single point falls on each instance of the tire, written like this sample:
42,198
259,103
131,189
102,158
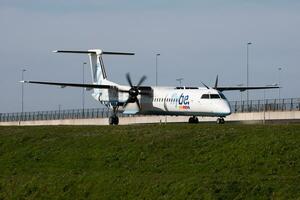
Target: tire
111,120
193,120
222,121
116,120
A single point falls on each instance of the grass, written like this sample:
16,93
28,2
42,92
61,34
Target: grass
173,161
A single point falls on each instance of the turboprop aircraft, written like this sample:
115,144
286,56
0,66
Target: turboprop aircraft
151,100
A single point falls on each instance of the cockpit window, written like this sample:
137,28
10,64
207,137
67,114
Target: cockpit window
214,96
222,95
205,96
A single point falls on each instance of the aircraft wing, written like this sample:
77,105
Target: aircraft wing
243,88
63,85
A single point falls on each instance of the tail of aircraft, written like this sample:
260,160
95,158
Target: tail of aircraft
96,62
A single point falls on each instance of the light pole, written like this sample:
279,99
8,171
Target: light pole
248,44
156,71
279,81
83,64
22,104
179,80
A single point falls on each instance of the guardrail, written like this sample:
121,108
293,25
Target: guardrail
266,105
236,107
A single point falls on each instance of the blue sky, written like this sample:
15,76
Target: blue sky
197,40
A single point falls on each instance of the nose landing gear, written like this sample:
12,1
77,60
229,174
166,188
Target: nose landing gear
220,120
114,119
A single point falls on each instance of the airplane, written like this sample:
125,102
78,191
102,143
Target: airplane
151,100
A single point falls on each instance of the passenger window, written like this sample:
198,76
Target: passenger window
205,96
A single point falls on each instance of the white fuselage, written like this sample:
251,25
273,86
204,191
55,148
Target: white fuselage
170,101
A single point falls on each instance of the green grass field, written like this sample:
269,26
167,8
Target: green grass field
173,161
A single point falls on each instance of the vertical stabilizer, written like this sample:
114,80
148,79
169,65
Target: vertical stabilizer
97,66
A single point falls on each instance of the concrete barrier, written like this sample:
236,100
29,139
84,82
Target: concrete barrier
253,117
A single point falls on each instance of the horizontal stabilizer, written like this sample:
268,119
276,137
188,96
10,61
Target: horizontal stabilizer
96,51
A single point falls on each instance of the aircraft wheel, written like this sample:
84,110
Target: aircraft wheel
193,120
196,120
220,120
110,120
116,120
113,120
223,121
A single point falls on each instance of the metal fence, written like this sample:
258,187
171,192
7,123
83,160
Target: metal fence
57,115
236,107
265,105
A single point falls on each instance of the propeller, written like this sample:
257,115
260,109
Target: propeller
205,85
216,83
134,91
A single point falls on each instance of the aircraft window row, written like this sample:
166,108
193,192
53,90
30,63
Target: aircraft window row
210,96
165,99
187,88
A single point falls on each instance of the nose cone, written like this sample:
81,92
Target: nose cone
223,108
226,109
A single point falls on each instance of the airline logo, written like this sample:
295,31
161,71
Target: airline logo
183,102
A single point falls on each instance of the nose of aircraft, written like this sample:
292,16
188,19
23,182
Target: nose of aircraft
224,108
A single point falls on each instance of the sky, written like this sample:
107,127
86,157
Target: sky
197,40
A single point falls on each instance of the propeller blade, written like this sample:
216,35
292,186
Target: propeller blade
216,83
141,81
205,85
129,79
138,104
126,103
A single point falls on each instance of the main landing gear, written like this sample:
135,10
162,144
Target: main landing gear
193,120
114,119
220,120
